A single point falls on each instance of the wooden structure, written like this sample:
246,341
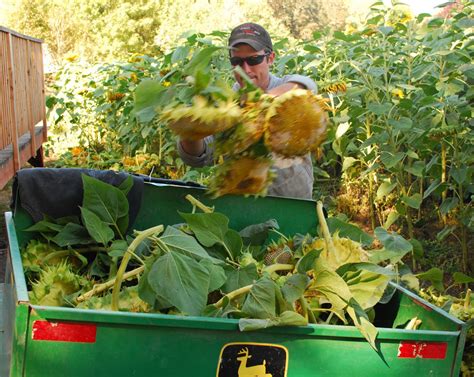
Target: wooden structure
22,103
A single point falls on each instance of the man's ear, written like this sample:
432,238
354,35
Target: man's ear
271,57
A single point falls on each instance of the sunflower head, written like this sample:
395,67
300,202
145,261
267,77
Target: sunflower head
246,133
203,118
244,175
295,123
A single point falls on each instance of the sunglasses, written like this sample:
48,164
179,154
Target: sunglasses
251,60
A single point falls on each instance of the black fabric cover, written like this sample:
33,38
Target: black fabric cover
58,192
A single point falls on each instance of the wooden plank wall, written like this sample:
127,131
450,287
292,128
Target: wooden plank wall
22,101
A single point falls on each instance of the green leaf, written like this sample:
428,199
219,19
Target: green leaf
72,234
384,189
465,23
118,248
385,30
260,301
449,88
294,287
183,243
421,70
209,228
459,174
460,278
432,187
348,162
378,108
416,169
65,220
241,277
287,318
395,256
257,234
413,201
98,229
391,218
201,60
367,329
411,281
366,266
393,241
435,276
348,231
107,201
180,54
413,154
146,292
44,226
407,87
233,242
367,287
306,263
418,251
320,172
126,185
342,129
328,283
148,95
217,276
432,162
181,281
448,205
390,160
402,124
446,231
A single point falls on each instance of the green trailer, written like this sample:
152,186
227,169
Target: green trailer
56,341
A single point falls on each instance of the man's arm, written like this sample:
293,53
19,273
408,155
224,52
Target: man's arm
279,90
196,153
303,81
290,82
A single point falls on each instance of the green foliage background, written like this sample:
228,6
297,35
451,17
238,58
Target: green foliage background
99,30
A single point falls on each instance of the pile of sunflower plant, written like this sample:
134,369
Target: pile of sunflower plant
202,267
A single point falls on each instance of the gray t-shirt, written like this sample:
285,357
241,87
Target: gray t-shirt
294,176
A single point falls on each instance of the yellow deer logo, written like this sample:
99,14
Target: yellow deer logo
253,371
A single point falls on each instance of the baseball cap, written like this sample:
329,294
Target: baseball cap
252,34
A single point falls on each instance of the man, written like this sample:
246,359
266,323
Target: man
252,50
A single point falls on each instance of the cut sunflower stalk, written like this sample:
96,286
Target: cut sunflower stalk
337,251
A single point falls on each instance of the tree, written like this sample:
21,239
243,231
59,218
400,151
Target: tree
121,28
304,17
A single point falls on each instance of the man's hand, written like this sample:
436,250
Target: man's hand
193,147
197,148
279,90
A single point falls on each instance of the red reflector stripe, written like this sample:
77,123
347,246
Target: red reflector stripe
419,303
422,350
64,332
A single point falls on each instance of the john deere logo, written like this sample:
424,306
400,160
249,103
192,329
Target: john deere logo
253,360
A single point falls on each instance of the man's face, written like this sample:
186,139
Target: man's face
259,73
